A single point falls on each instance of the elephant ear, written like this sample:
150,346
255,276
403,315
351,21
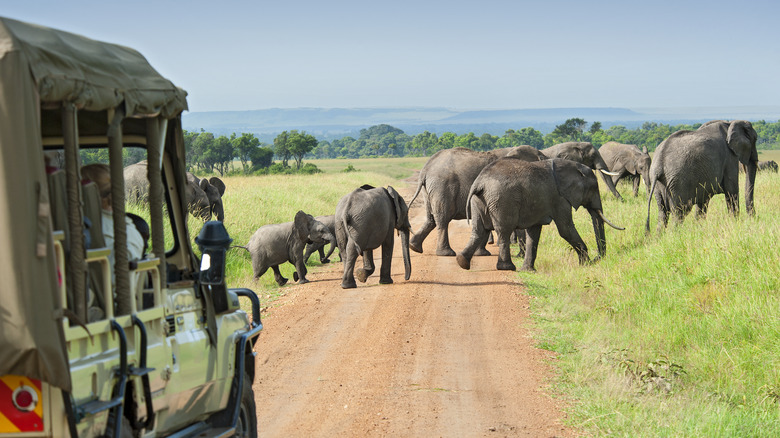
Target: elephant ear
630,163
216,182
570,184
301,225
397,203
741,138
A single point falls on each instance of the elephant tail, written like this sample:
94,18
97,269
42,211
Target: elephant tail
239,246
474,191
649,201
420,185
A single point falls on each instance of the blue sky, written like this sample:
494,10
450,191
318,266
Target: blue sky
487,54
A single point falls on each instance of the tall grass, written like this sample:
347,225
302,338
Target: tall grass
671,334
674,333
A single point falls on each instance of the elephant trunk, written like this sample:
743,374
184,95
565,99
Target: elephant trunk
750,183
601,166
598,229
219,211
405,251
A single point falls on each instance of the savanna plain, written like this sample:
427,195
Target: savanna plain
671,334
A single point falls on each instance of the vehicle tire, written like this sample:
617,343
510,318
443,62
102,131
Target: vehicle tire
246,426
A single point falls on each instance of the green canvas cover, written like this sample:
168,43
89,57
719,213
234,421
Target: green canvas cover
43,67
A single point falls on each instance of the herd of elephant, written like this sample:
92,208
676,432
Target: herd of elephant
512,191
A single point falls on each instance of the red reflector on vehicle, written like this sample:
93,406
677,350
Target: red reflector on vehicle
25,398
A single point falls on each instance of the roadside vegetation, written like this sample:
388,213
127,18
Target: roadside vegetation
672,334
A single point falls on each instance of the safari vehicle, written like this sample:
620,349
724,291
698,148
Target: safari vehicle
170,351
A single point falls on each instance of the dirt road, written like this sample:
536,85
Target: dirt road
446,353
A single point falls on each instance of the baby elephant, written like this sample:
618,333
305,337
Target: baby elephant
513,194
311,248
274,244
367,219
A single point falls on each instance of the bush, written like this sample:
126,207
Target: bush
309,169
349,168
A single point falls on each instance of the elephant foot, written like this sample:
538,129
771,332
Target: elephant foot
387,280
281,281
348,284
295,276
415,247
482,252
463,262
303,281
505,266
528,268
445,252
323,261
362,275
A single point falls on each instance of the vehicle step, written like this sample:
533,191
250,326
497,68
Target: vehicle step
203,430
138,371
95,406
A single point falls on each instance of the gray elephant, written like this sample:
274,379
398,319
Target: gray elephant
330,222
690,167
213,189
628,161
584,153
446,179
768,166
271,245
513,194
366,219
204,197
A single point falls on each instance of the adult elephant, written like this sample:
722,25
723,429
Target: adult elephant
204,197
513,194
274,244
628,161
446,179
584,153
690,167
366,219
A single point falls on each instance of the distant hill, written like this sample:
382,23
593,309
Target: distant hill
330,123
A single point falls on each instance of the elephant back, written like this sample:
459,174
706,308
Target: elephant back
136,182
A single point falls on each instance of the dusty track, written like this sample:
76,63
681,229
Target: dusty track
446,353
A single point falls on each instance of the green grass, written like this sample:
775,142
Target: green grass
671,334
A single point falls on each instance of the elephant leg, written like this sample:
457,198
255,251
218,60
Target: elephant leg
350,257
259,273
569,233
532,236
310,248
504,262
520,239
300,272
478,239
281,281
363,273
701,209
443,247
415,243
663,207
387,259
636,185
323,258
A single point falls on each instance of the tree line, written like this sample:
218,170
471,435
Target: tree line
211,154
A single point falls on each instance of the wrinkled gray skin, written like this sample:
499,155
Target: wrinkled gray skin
584,153
445,179
513,194
330,222
271,245
690,167
366,219
628,161
204,197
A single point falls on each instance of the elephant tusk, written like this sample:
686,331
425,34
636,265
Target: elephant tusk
601,215
609,173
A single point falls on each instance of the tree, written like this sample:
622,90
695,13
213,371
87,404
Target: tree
571,129
244,147
261,157
595,127
222,153
201,147
299,144
281,148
